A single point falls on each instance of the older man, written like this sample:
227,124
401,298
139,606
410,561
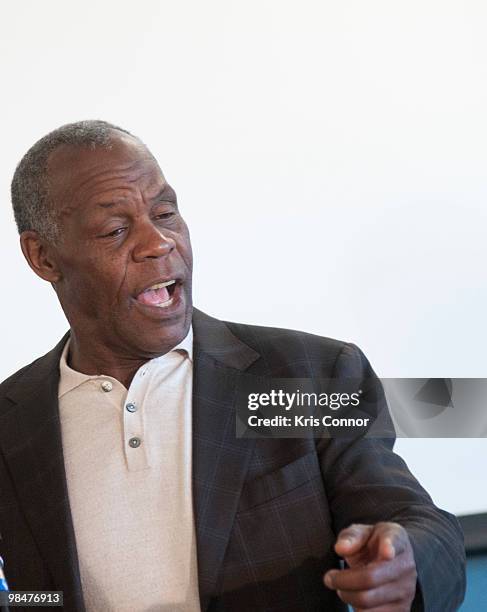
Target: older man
122,481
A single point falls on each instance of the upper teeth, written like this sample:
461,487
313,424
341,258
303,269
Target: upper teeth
160,285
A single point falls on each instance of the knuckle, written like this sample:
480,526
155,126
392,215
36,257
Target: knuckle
391,526
364,599
402,593
406,593
410,569
411,591
371,578
355,529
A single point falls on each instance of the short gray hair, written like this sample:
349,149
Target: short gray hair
32,207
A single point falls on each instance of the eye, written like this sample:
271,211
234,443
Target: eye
166,215
115,232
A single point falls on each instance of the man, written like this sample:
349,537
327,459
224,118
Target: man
123,483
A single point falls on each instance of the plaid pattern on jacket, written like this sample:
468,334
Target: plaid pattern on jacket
267,510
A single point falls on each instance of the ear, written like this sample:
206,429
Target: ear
40,256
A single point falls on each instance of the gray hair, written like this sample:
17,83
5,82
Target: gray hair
32,207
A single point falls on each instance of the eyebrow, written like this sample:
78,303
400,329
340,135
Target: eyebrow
167,194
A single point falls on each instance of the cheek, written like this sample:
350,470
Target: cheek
95,281
185,250
188,258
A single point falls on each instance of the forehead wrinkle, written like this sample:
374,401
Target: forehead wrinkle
120,200
117,173
94,182
81,200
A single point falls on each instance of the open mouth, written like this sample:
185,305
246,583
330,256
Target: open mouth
159,295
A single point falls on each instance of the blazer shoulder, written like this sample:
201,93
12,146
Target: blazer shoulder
9,382
277,346
258,336
37,371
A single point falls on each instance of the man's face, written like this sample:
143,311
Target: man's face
123,244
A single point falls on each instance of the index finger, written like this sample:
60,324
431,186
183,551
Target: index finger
351,539
367,576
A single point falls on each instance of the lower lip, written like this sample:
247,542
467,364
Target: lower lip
166,309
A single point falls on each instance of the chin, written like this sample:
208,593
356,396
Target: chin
165,335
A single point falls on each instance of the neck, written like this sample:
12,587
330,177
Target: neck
92,360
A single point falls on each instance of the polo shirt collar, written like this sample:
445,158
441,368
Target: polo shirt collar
70,379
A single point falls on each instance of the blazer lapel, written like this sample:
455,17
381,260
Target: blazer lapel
220,460
30,436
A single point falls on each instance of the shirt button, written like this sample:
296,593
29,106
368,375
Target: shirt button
135,442
131,407
107,386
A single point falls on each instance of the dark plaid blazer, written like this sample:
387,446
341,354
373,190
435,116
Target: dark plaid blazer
267,510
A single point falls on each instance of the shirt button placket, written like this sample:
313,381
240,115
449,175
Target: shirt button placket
134,432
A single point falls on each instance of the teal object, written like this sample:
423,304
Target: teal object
476,597
3,581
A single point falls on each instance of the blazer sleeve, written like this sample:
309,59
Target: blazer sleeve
366,482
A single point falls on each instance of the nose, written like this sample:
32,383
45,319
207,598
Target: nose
151,243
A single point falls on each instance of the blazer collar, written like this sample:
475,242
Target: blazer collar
30,435
214,339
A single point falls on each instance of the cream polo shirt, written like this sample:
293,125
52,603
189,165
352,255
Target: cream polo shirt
127,455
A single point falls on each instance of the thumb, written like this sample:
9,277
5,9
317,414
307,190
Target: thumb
352,539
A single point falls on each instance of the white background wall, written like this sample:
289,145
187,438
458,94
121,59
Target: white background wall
329,158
